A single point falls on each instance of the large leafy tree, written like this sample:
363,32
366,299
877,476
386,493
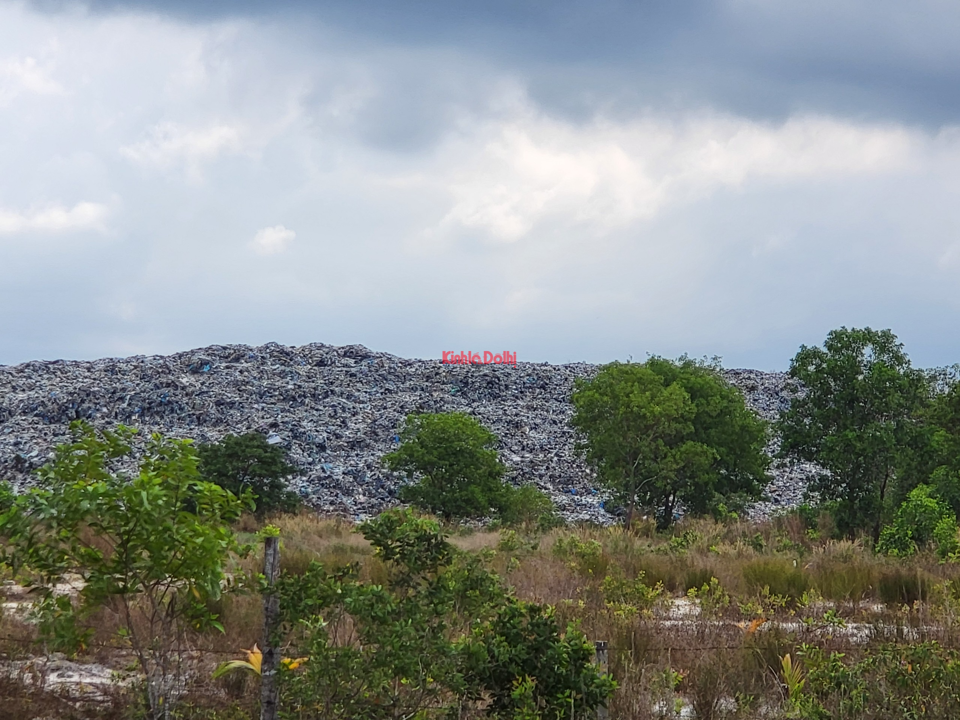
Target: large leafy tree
857,418
452,463
248,462
151,547
665,434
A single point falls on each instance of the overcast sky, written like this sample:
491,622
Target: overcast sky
565,179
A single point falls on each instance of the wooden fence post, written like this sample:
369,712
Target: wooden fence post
270,662
600,647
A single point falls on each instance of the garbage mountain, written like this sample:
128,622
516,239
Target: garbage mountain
337,410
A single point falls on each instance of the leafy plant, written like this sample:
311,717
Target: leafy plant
617,589
526,505
585,557
894,680
793,679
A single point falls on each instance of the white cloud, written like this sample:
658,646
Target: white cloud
272,240
26,74
172,145
55,218
609,174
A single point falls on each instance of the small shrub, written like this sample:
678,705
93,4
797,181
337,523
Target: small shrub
915,525
684,541
619,590
892,681
712,597
945,537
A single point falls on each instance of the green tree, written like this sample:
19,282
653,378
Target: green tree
248,462
665,434
152,548
857,418
452,462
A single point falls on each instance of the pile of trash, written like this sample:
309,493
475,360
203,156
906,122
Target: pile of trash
337,410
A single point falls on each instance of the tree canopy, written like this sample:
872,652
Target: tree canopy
665,434
857,418
452,463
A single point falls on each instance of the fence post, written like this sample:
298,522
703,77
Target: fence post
270,662
600,647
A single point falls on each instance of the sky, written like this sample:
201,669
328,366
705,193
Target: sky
572,180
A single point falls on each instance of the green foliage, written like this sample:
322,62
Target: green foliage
857,420
524,640
922,519
666,435
438,635
240,463
619,590
451,461
60,625
892,681
153,546
945,537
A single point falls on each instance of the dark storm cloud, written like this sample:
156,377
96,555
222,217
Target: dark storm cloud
870,59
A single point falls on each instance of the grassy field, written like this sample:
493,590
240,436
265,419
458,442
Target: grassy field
698,620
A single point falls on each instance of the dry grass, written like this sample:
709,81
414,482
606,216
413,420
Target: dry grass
781,580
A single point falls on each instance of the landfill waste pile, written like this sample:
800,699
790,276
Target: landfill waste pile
337,410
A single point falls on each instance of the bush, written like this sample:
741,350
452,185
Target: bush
584,557
922,519
248,462
893,681
451,462
438,637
